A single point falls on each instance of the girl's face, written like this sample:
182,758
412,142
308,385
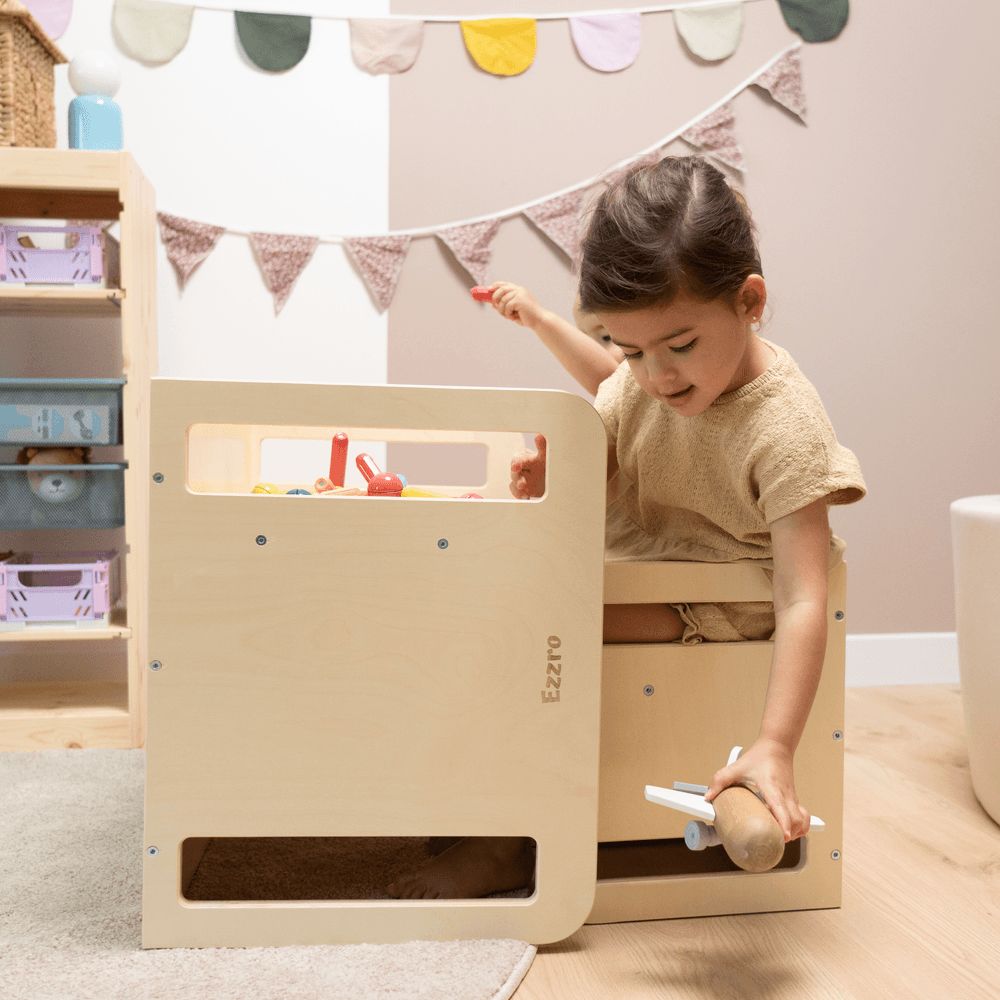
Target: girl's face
690,352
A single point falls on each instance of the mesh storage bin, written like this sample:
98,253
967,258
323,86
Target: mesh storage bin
62,496
61,411
80,587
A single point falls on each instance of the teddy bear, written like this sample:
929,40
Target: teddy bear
51,485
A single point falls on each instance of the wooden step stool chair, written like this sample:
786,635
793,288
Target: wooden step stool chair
356,667
671,712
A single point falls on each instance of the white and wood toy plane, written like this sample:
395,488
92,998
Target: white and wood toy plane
742,824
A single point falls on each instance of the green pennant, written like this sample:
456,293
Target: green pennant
273,41
815,20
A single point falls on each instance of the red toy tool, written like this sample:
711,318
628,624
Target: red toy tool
338,459
380,484
481,293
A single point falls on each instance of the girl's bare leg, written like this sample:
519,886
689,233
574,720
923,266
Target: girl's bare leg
641,623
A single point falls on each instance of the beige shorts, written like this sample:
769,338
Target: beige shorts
726,622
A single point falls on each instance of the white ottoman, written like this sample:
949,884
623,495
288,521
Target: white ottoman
975,533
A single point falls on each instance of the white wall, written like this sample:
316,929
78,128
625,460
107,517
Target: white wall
302,152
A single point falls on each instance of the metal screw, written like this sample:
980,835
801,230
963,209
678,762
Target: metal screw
648,690
442,543
262,539
835,855
838,734
158,477
839,615
152,851
156,665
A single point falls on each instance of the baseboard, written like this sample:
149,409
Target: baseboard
902,658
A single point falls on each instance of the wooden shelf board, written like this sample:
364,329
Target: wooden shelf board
68,632
42,300
64,714
58,170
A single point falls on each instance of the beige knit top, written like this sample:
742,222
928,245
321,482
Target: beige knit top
706,487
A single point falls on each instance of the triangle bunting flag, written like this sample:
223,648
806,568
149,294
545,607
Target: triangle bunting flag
282,259
379,259
187,242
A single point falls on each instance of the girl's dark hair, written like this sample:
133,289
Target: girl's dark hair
664,228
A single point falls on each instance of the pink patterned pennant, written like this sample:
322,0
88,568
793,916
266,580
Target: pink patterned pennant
187,242
716,136
379,259
472,246
282,259
559,219
783,81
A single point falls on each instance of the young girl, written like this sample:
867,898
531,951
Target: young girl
719,449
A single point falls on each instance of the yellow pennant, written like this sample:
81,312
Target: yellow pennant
504,46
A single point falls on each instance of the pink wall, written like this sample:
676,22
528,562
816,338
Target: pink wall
878,228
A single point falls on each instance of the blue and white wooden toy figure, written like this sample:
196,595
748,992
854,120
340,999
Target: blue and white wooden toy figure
95,119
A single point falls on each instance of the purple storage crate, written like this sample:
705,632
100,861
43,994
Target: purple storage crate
81,264
80,587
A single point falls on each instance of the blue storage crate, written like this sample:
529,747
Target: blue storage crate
61,411
86,496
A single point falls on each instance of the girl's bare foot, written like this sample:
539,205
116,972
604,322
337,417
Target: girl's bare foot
469,869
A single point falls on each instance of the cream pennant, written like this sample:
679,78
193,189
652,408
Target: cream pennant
379,259
186,242
715,136
386,46
713,33
282,259
559,219
783,81
149,31
472,246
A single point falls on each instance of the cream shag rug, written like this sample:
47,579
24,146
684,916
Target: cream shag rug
70,891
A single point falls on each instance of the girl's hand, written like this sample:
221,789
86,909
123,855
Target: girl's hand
766,769
527,471
516,304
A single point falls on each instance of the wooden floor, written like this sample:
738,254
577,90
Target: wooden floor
921,911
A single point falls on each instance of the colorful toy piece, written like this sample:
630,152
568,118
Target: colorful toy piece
481,293
380,484
338,459
299,493
266,488
416,491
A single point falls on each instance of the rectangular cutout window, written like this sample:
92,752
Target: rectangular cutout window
273,869
248,459
666,858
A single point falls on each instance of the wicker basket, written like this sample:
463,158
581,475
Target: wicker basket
27,80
